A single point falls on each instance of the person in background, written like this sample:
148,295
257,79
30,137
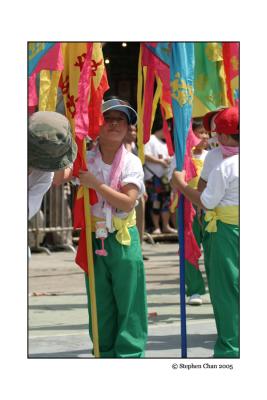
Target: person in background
51,150
157,160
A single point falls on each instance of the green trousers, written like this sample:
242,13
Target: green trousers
120,297
193,277
206,248
223,261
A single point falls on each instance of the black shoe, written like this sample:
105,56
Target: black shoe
145,258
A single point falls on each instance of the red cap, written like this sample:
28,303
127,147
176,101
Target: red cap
223,121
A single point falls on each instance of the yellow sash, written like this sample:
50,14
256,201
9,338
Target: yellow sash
121,226
227,214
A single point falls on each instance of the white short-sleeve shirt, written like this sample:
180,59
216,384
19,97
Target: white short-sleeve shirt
159,149
213,158
38,184
132,172
223,185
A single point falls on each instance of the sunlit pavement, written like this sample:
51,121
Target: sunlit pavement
58,319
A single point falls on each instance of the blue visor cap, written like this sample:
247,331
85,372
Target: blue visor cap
120,105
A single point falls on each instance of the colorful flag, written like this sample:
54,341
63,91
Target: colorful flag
192,251
231,66
84,87
148,61
162,50
99,85
36,53
81,256
44,58
151,70
182,78
209,83
75,58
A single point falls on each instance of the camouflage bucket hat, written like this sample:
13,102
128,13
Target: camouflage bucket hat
50,143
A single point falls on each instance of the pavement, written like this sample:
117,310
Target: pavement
58,318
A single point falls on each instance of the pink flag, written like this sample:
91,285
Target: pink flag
192,251
81,116
52,60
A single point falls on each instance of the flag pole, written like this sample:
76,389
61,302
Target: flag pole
182,275
90,264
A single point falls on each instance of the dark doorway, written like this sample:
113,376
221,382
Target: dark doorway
121,62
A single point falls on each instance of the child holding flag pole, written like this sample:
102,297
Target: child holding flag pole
220,199
117,177
195,286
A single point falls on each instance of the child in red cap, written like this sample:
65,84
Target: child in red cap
220,199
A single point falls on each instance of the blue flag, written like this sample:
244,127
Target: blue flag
182,64
36,50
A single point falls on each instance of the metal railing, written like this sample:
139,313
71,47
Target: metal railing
51,228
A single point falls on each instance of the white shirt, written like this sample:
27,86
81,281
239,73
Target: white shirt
223,185
155,148
213,158
132,172
38,184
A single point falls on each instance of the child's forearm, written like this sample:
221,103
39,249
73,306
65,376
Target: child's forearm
192,194
201,185
118,200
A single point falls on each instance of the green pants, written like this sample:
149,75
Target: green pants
206,248
120,297
193,277
223,262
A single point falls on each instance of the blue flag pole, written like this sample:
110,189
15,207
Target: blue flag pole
182,78
182,276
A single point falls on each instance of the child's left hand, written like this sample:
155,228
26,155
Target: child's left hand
88,179
179,177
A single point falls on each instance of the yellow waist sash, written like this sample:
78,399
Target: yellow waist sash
227,214
121,226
